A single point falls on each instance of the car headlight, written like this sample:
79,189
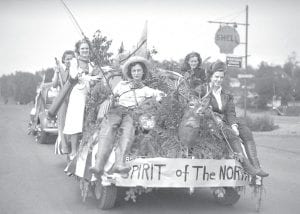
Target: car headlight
51,124
147,121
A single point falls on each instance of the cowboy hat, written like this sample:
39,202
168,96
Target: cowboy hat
135,59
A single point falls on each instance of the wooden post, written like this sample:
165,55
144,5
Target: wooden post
246,64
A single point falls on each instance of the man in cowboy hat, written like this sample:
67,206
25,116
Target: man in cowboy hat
128,94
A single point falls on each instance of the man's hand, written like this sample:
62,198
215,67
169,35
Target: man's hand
235,129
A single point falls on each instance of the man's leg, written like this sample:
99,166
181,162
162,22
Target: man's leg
106,138
126,140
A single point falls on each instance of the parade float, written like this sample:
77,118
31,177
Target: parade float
169,150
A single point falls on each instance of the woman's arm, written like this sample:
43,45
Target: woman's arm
74,68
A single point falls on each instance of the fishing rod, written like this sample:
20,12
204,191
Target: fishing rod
85,38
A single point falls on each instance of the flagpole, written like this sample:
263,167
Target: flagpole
140,44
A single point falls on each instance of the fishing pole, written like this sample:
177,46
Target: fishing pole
89,43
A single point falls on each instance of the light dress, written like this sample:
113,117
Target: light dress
77,99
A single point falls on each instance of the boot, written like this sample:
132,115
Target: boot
120,166
252,156
105,146
124,146
248,167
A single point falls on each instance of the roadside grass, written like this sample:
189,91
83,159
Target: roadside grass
261,123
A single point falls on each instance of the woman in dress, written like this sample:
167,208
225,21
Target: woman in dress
80,69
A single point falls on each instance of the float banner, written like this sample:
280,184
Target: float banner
178,172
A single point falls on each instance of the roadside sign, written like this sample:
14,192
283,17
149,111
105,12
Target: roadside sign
234,62
245,76
227,38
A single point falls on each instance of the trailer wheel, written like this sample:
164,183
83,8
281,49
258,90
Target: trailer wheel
42,137
106,196
231,197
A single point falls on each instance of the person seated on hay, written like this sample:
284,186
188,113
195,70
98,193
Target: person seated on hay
128,96
221,102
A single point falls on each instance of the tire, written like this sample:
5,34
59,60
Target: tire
230,198
106,196
42,137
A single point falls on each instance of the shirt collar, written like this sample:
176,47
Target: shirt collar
218,91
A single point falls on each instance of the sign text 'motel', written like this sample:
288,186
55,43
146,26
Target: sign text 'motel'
227,38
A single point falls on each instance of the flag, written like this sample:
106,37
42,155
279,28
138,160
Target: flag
141,48
121,49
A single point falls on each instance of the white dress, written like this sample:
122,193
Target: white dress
77,99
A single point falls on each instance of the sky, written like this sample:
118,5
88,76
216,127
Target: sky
33,32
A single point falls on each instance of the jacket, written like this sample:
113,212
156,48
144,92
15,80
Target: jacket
228,106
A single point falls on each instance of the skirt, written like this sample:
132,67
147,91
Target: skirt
75,111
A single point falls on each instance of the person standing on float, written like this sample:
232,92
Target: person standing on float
61,75
80,69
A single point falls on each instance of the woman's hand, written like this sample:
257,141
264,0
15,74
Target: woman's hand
235,129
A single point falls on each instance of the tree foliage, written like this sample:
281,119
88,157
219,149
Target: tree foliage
282,82
21,86
100,45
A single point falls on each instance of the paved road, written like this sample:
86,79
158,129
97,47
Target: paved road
32,179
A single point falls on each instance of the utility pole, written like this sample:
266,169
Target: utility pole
246,53
246,65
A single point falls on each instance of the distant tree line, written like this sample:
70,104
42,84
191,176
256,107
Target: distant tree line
21,86
274,81
282,82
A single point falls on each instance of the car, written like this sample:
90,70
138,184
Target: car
41,126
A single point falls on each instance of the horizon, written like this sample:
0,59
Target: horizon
174,29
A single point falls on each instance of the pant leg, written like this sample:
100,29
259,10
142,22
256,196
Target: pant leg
245,132
65,145
236,145
109,126
127,129
106,139
230,135
249,143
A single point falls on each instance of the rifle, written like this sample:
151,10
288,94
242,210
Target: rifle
59,73
65,90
